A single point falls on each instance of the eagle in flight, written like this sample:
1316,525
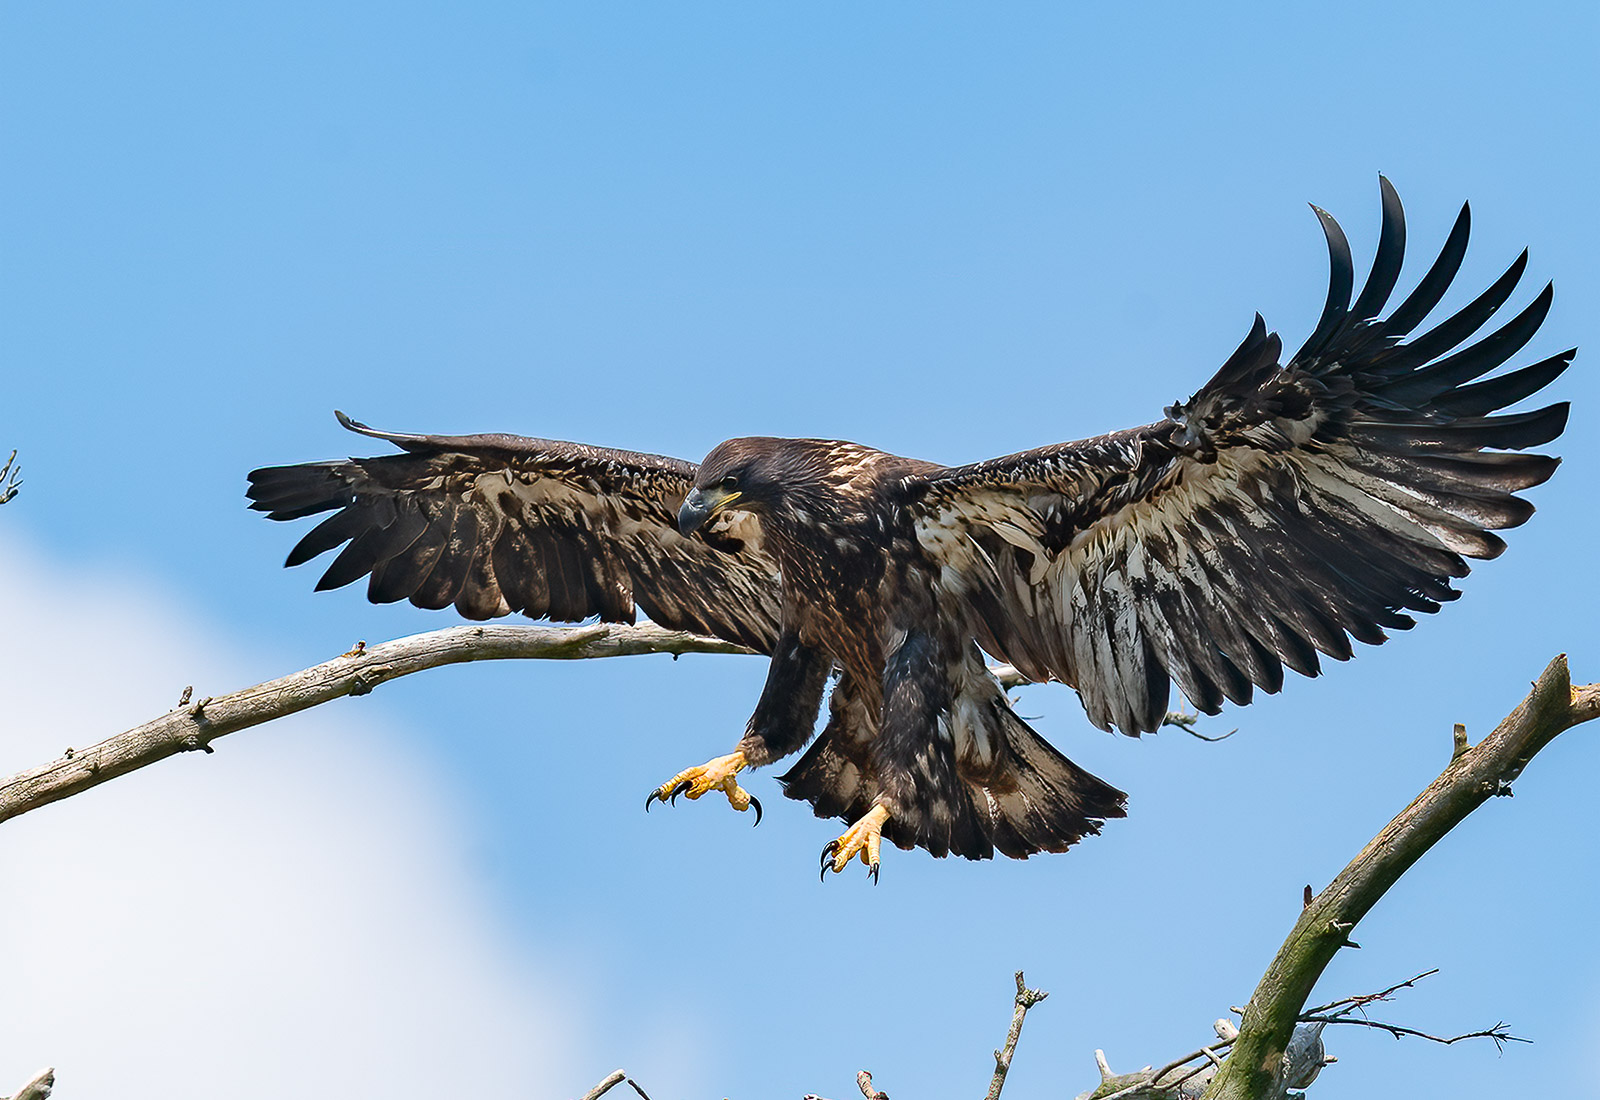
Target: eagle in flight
1285,509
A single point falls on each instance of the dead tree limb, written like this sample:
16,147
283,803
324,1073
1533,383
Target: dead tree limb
863,1082
38,1088
1255,1067
1498,1033
610,1081
10,482
194,726
1026,999
868,1090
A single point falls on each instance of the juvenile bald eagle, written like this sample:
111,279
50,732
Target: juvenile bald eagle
1277,514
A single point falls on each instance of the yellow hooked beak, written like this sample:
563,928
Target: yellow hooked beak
701,505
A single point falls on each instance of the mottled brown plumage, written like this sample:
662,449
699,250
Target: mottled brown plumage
1276,515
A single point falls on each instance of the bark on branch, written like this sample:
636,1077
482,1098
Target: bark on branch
193,726
611,1081
40,1087
1255,1068
1026,999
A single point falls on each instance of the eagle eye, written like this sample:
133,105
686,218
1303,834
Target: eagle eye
731,482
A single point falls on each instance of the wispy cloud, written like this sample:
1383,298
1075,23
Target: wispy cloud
293,915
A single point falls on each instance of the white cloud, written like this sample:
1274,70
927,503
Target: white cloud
290,916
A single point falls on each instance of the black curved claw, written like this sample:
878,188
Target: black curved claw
827,857
672,795
872,873
651,797
756,802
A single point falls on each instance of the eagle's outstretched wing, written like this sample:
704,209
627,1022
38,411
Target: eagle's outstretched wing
500,523
1280,512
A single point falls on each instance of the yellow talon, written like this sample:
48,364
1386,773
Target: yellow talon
713,775
863,839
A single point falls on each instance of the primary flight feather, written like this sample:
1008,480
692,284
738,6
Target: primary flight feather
1282,511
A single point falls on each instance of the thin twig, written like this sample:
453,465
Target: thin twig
1026,999
1345,1004
1213,737
1012,677
1335,1012
1498,1032
1207,1052
10,482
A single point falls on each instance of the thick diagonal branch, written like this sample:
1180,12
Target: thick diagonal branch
195,726
1473,776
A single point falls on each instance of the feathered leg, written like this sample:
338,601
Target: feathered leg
952,769
920,797
784,719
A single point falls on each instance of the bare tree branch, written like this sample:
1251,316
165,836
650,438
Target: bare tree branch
43,1082
1498,1032
610,1081
864,1083
1345,1004
194,726
10,482
1255,1068
1026,999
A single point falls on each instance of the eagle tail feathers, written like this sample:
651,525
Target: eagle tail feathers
1029,799
1037,800
826,777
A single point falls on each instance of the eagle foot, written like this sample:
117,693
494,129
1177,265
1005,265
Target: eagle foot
863,839
713,775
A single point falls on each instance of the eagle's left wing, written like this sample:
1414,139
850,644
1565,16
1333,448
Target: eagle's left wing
1280,512
496,524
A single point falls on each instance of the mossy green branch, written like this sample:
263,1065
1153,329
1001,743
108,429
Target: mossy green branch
1474,775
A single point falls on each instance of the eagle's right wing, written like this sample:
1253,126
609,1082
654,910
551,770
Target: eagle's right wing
501,523
1282,511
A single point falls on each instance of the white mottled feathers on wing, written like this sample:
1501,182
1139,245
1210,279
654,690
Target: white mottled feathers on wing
1279,513
498,524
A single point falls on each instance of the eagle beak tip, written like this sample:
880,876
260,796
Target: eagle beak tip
693,514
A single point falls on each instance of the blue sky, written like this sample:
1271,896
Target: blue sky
945,230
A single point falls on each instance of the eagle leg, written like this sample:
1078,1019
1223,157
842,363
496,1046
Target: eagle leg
863,839
713,775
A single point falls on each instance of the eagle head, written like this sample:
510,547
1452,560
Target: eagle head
759,474
748,472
